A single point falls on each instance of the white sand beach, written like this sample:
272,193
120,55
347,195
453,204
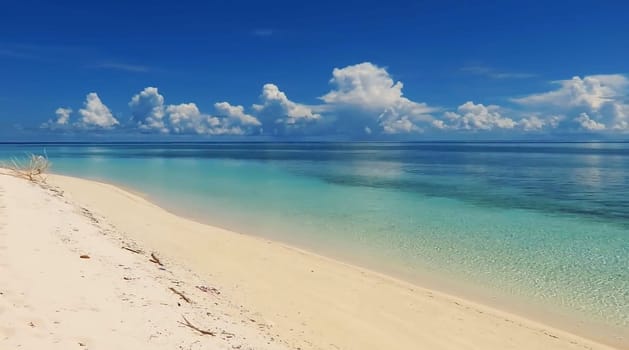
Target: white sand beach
75,273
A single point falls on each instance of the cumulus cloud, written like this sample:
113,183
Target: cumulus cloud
620,116
371,91
399,125
63,115
591,91
532,123
365,85
186,118
537,123
147,110
588,123
95,114
234,120
236,114
364,99
61,121
471,116
597,99
395,120
150,114
277,108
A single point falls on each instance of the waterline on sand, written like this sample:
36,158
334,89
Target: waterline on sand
541,225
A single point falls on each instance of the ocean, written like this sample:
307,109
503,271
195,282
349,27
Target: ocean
540,227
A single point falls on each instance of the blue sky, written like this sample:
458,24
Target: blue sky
410,70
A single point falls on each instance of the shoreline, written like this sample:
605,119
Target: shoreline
70,280
304,252
560,319
306,300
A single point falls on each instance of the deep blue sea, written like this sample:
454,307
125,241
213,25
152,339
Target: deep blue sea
543,224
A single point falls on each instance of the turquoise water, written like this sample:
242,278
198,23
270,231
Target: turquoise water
545,223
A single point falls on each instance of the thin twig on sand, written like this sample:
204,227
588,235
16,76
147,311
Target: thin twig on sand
228,334
155,260
208,290
137,251
183,296
190,325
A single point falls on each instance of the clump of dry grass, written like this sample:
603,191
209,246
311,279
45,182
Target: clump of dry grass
32,167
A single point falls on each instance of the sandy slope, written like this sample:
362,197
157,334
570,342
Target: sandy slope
50,298
269,290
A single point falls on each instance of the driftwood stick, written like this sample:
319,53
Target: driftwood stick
137,251
155,259
228,334
190,325
183,296
208,290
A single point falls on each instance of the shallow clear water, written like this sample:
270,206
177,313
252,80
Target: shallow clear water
542,222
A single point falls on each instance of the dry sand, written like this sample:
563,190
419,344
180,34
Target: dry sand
271,295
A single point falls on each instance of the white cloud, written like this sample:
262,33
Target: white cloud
536,122
151,114
398,121
620,116
63,115
187,118
95,114
234,120
365,85
400,125
471,116
554,120
370,90
439,124
591,92
532,123
61,122
588,123
147,109
276,105
236,114
365,99
597,98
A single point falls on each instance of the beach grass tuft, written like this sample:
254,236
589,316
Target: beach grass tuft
31,167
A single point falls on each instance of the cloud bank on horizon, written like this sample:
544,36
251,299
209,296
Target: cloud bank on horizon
365,100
